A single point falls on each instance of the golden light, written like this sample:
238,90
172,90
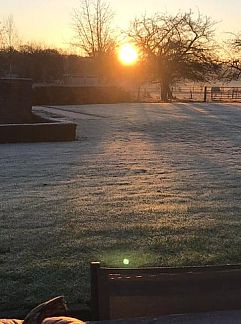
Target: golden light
128,54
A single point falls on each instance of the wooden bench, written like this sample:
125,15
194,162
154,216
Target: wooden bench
127,293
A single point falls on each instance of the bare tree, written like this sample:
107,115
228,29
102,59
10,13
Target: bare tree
10,34
92,26
176,47
10,40
1,35
232,60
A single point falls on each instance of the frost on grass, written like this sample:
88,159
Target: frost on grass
157,184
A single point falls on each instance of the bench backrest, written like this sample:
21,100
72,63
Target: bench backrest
126,293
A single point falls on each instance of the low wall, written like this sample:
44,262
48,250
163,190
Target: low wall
17,122
64,95
37,132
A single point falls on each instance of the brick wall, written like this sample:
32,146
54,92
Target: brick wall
15,100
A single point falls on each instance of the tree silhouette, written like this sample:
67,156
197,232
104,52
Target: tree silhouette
176,47
232,61
92,26
94,35
9,40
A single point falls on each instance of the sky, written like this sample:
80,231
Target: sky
50,21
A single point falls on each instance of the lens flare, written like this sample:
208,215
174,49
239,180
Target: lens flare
126,261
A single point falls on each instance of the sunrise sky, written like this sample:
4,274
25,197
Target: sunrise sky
49,21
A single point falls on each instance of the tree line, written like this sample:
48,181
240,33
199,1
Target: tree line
172,48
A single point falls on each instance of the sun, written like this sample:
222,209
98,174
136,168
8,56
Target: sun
128,54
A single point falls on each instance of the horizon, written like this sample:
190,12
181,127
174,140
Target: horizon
55,29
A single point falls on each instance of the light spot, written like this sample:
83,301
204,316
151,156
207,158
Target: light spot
126,261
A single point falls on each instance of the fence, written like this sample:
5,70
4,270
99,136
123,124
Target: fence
188,93
210,94
223,94
200,94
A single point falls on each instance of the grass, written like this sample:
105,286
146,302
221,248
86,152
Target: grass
156,184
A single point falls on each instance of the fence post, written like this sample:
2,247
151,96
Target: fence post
94,267
205,94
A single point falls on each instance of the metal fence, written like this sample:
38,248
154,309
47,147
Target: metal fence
229,94
198,94
188,93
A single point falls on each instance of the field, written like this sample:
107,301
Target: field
159,184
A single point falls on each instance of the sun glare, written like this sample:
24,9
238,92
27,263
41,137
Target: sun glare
128,54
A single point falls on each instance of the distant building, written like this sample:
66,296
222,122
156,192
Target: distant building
80,81
80,71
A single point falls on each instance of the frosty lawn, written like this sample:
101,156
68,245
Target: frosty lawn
157,184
